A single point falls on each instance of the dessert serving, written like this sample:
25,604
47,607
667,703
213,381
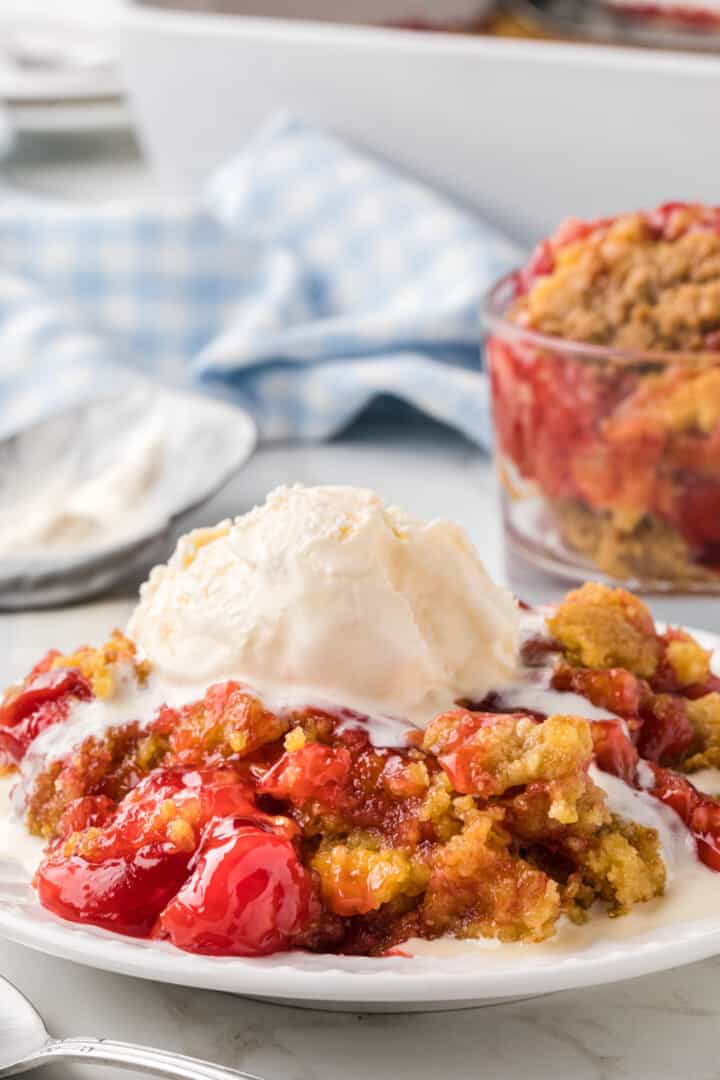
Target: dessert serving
605,365
326,729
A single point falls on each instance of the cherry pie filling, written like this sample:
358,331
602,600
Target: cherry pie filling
226,828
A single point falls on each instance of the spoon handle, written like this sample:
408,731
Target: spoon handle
141,1058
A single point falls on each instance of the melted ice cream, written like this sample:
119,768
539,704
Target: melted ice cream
692,890
16,843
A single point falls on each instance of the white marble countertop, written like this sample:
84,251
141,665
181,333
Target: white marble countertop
662,1026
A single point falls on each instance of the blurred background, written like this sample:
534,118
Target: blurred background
292,210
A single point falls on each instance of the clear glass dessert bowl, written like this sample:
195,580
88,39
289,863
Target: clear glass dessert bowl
608,457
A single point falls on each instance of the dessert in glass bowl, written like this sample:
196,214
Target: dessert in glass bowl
325,728
604,357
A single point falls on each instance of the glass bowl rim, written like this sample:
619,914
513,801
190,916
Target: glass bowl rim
495,305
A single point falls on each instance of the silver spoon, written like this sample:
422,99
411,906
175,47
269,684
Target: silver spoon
25,1045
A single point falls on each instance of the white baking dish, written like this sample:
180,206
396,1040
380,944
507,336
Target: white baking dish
526,132
448,13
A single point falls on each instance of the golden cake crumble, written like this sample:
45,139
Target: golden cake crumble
625,285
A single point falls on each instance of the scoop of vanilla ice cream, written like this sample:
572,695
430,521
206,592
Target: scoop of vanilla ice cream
323,593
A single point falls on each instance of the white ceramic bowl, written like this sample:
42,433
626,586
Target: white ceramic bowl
446,13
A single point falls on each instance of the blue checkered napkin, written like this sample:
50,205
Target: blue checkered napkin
308,280
89,295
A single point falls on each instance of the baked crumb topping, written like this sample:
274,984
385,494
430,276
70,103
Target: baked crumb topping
635,283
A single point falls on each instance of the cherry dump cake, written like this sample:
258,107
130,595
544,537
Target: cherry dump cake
605,367
470,794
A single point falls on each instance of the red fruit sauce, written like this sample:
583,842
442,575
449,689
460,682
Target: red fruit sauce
227,881
45,700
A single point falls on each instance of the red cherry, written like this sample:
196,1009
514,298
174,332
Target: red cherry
706,829
701,813
314,772
212,793
464,755
124,894
615,689
47,686
614,752
130,870
88,812
666,731
45,701
248,895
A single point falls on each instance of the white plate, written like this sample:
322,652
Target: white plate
470,974
57,67
20,87
204,443
62,118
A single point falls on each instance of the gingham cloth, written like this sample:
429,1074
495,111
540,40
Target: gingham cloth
308,280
